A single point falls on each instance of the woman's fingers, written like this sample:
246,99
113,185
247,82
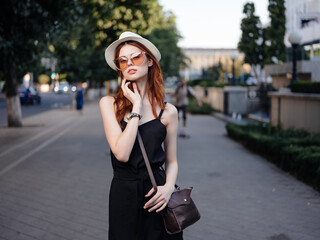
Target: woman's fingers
126,85
150,192
132,95
157,202
152,201
158,206
123,86
162,207
135,88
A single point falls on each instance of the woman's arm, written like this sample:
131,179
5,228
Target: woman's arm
161,198
120,142
193,93
170,146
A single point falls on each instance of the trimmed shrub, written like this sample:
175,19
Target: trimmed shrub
305,87
193,107
295,151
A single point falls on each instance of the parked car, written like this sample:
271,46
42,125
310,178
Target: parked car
62,87
29,95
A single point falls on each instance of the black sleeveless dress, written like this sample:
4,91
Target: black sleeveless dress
127,218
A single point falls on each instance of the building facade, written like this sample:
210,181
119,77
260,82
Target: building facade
200,59
302,16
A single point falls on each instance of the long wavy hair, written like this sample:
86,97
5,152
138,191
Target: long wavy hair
155,90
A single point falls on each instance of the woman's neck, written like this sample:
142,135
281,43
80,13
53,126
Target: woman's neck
142,87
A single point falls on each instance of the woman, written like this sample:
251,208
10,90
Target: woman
181,93
79,97
134,209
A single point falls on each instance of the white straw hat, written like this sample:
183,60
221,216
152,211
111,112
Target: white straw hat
129,36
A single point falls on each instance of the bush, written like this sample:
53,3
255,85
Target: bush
212,84
305,87
205,82
193,107
194,82
295,151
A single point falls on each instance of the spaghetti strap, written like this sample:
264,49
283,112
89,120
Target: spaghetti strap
161,112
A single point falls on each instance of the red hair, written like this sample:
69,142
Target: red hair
155,90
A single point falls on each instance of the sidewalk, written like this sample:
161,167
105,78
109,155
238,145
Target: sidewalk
55,175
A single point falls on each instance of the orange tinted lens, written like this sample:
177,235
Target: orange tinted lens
122,63
137,59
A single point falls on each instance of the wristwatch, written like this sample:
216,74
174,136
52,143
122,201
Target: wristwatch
132,115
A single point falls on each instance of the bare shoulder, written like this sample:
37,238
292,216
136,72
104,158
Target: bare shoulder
171,110
106,102
170,114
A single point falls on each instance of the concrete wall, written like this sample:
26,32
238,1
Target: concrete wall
229,99
297,110
281,73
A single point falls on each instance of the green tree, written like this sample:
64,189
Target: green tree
80,52
172,57
251,42
216,71
275,49
25,27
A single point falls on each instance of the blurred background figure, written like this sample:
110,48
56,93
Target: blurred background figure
79,97
182,92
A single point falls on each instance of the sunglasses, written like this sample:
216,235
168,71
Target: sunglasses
136,58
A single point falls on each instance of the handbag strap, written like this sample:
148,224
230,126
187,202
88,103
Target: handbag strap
146,160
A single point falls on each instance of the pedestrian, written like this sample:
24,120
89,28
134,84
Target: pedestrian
134,208
181,94
79,97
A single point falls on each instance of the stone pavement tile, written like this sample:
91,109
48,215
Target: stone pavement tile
61,191
7,233
240,195
33,125
87,230
28,229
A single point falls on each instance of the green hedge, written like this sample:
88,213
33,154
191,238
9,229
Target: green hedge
213,84
305,87
193,107
206,83
295,151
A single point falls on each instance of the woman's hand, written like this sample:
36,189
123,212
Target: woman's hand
199,102
133,96
160,199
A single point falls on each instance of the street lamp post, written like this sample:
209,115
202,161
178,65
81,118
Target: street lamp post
294,38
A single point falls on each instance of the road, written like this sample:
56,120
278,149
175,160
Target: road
55,177
48,101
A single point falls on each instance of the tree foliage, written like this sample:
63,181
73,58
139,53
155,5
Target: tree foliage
275,49
25,29
76,33
165,36
102,22
216,72
251,41
263,45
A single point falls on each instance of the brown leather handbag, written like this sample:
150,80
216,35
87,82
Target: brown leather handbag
180,211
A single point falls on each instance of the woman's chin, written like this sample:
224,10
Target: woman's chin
131,78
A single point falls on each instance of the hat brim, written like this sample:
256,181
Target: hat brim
110,51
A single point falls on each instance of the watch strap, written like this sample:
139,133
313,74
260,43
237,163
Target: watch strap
133,114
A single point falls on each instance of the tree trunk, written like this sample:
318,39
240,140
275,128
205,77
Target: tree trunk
12,98
14,111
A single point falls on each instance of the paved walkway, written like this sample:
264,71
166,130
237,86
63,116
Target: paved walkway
55,175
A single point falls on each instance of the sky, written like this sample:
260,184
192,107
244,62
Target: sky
211,23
